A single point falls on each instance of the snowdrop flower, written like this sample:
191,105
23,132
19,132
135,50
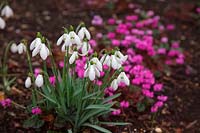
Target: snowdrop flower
105,60
37,41
115,62
14,48
114,84
71,39
2,23
62,38
83,32
123,78
85,48
39,80
28,82
97,63
7,12
93,69
21,48
42,49
121,56
73,57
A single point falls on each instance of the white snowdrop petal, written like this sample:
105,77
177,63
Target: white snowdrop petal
59,41
87,33
73,57
81,33
114,84
2,23
91,73
43,52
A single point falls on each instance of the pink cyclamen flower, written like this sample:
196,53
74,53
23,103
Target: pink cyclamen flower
111,21
162,98
198,10
158,87
6,102
99,35
161,51
116,112
97,20
61,64
154,109
124,104
52,80
115,42
111,35
36,111
164,39
170,27
93,43
37,71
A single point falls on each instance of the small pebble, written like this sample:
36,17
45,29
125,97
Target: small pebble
158,130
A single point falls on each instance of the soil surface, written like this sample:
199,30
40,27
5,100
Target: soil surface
181,112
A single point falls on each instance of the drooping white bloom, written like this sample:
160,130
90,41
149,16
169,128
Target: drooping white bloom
2,23
121,57
74,39
91,72
70,39
37,41
42,49
93,69
105,60
123,78
14,48
114,84
21,48
83,32
95,61
7,12
85,48
39,80
62,39
73,57
28,82
115,62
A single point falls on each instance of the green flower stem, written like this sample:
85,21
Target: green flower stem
34,95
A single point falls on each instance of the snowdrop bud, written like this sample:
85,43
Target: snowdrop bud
84,32
114,84
7,11
73,57
28,82
123,78
21,48
2,23
39,81
14,48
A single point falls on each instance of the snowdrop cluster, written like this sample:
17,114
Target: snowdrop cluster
6,12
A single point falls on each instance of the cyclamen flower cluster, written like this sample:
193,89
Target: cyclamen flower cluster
6,12
6,102
140,35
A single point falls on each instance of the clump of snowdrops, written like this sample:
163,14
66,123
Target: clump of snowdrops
61,94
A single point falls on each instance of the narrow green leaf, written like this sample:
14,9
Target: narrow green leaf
115,123
97,128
